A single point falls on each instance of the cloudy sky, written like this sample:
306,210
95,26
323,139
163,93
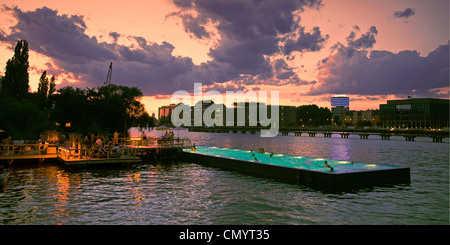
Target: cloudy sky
308,50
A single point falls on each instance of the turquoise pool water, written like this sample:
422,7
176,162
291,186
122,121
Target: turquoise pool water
300,162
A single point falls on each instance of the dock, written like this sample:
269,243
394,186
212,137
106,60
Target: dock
132,150
36,151
159,148
83,157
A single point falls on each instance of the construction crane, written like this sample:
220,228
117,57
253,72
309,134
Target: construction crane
108,77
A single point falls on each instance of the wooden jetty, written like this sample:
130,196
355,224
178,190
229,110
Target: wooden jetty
36,151
159,148
73,156
132,150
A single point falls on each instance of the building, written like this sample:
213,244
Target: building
243,114
340,100
288,116
423,113
340,105
165,114
218,115
361,118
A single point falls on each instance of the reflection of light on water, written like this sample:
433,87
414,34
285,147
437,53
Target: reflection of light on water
62,185
138,195
319,159
341,150
342,162
369,166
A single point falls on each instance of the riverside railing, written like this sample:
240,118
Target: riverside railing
25,149
159,142
96,153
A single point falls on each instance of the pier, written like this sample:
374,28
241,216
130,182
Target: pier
383,134
83,157
35,151
159,148
132,150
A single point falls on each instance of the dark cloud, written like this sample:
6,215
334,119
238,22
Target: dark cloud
305,41
366,40
195,26
149,66
58,37
114,35
250,32
379,72
408,12
282,71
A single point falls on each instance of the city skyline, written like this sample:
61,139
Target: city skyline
372,51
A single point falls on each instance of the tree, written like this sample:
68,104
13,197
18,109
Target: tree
42,89
51,89
312,115
46,89
102,110
71,106
16,80
21,119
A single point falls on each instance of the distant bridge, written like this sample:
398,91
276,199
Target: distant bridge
409,135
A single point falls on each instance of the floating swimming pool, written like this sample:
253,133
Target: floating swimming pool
316,172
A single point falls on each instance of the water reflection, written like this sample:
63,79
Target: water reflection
61,196
340,150
187,193
136,191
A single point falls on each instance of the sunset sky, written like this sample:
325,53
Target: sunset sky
370,50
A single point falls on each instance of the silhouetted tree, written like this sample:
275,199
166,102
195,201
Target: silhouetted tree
312,115
21,119
104,109
16,79
42,89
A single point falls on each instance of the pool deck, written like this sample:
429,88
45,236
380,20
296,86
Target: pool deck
317,179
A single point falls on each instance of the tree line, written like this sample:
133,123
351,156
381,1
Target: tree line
312,116
25,114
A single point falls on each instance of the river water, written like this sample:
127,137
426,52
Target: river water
188,193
